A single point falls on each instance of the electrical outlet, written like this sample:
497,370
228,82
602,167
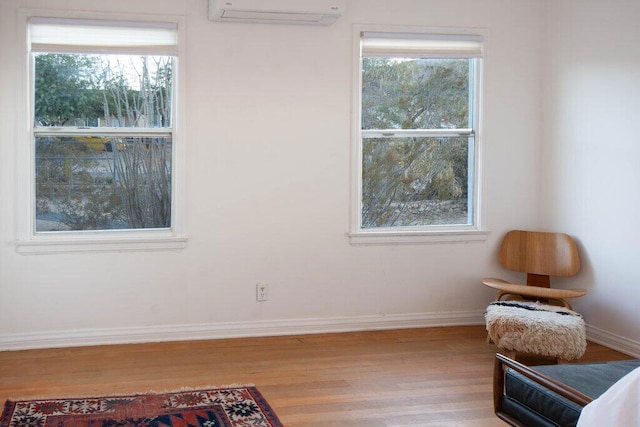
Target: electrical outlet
262,292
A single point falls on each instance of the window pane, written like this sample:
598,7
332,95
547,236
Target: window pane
103,90
403,93
102,183
415,182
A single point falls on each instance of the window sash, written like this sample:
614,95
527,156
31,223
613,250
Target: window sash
102,172
472,100
406,133
99,131
471,195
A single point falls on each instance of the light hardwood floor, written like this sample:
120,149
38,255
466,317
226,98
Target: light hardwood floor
409,377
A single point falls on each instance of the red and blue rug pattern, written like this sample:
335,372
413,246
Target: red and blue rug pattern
218,407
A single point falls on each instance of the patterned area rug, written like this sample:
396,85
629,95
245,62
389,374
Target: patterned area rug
233,407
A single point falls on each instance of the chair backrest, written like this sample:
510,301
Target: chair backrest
539,254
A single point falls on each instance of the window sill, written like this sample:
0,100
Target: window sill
93,243
416,237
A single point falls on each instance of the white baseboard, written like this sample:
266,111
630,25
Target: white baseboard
86,337
613,341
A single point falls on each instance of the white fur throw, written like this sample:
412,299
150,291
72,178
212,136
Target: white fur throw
535,328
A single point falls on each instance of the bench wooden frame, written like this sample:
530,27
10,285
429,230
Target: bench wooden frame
502,363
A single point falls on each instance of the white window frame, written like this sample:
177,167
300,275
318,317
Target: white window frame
426,234
28,241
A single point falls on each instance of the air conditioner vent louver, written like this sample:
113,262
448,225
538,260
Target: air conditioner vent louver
302,12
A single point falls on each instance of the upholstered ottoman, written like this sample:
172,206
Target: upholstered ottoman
537,329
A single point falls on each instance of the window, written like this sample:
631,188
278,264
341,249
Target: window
102,115
416,136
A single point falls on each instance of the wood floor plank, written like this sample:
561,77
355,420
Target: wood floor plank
408,377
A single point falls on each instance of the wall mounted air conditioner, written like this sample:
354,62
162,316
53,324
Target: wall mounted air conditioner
302,12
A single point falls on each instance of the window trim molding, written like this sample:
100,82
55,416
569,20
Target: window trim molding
396,237
412,235
149,240
27,241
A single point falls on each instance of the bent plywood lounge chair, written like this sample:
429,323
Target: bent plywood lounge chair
536,319
539,255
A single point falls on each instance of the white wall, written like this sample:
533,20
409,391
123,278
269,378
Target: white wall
591,155
268,190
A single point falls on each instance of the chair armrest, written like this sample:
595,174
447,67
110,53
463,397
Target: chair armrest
502,362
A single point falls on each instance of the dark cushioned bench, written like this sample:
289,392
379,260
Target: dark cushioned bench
551,395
